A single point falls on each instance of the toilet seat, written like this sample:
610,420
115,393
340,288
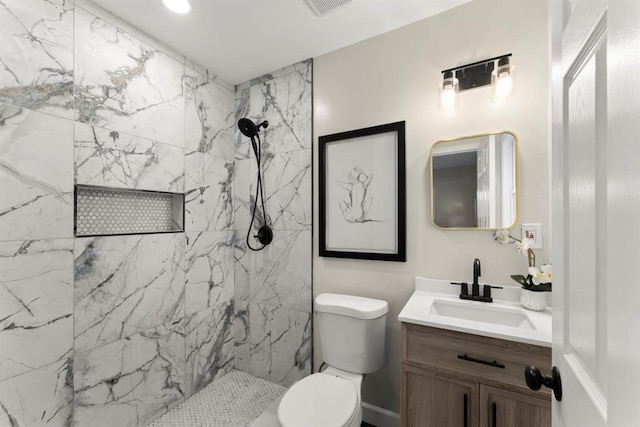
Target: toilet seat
319,400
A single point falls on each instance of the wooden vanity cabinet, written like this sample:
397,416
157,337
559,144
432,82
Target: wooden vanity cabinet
456,379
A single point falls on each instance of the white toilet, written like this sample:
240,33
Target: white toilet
352,334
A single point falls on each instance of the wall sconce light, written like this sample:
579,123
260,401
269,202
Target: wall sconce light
448,91
503,79
477,74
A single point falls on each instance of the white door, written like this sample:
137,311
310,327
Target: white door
596,209
484,178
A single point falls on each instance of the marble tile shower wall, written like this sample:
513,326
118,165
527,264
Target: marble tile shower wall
108,330
273,287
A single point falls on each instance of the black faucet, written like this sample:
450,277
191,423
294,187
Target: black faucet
475,286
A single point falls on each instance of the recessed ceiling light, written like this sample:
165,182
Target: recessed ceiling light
178,6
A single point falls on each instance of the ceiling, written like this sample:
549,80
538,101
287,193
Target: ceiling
242,39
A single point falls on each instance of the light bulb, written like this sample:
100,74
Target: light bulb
448,91
503,78
448,98
504,84
178,6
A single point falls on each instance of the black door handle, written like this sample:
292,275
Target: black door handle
535,380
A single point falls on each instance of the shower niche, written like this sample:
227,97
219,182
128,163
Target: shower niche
104,211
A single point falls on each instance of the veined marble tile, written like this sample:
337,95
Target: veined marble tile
242,345
195,67
210,116
244,212
280,343
131,30
273,287
244,188
304,66
36,172
131,381
288,192
242,266
125,85
208,192
38,398
244,192
281,273
208,269
286,103
287,189
242,99
36,55
36,304
299,67
113,159
210,345
125,285
242,273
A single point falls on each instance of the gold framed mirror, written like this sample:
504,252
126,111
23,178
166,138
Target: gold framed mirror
474,182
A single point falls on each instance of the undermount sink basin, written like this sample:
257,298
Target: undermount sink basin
482,313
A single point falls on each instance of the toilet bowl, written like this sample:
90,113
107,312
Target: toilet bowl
352,335
327,399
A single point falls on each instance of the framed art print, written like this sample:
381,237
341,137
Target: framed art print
362,195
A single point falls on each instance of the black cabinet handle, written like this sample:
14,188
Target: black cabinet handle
465,412
483,362
494,411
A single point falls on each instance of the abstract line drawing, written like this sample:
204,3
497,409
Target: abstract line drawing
356,206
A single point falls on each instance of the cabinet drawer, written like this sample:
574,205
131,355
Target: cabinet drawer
471,355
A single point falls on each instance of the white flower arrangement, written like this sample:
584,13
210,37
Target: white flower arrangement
537,279
541,275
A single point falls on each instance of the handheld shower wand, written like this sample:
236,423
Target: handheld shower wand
265,233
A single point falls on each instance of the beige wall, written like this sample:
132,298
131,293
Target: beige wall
395,77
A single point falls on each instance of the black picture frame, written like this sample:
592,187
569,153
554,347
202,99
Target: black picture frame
350,214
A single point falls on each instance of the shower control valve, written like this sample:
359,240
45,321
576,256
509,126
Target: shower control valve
265,235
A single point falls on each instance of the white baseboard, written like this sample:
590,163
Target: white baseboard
378,416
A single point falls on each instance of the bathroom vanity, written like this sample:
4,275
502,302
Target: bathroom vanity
463,362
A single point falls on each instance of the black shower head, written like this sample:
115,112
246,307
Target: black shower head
247,127
250,129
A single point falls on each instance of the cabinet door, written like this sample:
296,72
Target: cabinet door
501,408
430,399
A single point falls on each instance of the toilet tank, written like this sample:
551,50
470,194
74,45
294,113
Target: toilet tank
352,331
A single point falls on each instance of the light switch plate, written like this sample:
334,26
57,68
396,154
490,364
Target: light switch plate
533,232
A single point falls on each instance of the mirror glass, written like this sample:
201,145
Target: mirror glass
474,181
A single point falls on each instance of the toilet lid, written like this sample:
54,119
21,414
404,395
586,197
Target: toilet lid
319,400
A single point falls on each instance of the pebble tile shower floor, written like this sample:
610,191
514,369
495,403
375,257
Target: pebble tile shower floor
236,399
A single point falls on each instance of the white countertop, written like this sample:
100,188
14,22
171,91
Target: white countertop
417,311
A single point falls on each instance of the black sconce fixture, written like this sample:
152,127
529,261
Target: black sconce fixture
494,71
